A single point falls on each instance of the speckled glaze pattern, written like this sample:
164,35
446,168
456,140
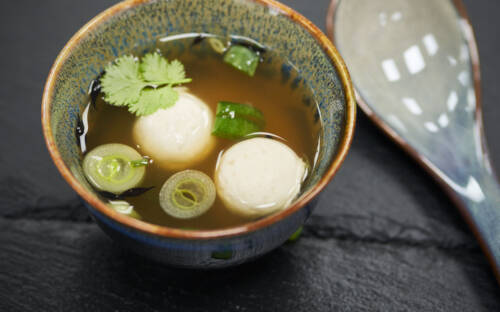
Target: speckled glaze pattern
204,254
136,30
133,27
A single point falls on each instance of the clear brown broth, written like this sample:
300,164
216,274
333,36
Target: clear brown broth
213,81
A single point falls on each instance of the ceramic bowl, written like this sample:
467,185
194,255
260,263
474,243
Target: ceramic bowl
133,27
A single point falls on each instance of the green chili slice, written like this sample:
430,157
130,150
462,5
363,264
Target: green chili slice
243,59
234,120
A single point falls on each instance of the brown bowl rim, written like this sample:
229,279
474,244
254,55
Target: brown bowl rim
153,229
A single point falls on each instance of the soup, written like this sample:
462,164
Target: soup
274,92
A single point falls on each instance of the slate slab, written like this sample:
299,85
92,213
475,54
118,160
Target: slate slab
384,236
68,266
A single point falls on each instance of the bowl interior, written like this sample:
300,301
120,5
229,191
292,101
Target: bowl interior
134,27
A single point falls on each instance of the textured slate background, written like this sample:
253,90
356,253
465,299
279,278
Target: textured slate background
384,237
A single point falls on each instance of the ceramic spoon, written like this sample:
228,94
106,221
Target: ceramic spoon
415,68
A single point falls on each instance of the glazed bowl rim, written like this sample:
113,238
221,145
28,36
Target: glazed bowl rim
163,231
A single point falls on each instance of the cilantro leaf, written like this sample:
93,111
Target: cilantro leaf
158,71
122,83
176,71
152,100
153,67
145,86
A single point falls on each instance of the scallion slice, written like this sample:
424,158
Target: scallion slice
187,194
243,59
125,208
234,120
222,255
295,236
217,45
109,168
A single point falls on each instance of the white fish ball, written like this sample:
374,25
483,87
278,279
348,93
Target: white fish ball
179,136
259,176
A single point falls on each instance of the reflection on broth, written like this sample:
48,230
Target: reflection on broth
280,101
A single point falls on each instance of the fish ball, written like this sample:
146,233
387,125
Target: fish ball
179,136
259,176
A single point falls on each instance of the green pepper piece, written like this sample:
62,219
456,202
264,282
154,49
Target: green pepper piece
233,128
239,110
234,120
243,59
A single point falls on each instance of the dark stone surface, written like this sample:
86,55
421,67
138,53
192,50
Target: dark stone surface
383,238
69,266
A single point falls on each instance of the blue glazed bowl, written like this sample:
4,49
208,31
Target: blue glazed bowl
133,27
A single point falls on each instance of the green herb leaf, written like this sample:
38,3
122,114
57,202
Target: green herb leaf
158,71
152,100
122,83
175,72
145,86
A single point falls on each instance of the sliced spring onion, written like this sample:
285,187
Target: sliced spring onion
217,45
108,168
125,208
234,120
222,255
295,236
243,59
187,194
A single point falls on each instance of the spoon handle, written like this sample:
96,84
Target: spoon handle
479,202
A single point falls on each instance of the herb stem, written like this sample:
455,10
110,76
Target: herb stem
187,80
139,162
